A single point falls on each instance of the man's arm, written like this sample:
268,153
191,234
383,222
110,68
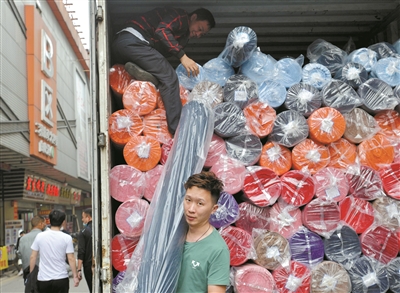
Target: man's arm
216,289
80,262
72,264
32,261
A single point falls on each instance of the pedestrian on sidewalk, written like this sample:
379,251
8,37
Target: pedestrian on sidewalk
85,248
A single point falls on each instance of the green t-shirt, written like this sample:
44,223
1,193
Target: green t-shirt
204,263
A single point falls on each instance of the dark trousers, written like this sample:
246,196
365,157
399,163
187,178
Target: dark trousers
54,286
87,270
128,48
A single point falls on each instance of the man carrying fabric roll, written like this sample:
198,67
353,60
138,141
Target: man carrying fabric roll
151,37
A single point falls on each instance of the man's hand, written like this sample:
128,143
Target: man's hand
191,67
79,275
76,281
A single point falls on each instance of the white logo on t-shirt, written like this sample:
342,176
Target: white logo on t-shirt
195,264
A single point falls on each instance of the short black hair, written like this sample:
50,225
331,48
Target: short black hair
57,217
204,14
88,211
207,181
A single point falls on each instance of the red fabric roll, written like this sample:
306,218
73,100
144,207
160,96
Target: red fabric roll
119,79
326,125
276,157
390,176
357,213
297,188
155,126
389,122
331,184
217,148
140,97
151,179
126,182
343,154
310,156
376,151
398,237
122,248
252,217
366,184
285,219
130,217
251,278
165,149
231,172
142,152
262,186
239,243
397,153
295,278
260,118
122,125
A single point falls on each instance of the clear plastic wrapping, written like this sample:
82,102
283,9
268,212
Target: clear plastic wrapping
307,247
118,279
293,279
231,172
396,46
122,248
331,184
251,278
309,156
126,182
259,67
218,71
365,57
229,120
341,96
276,157
357,213
376,151
252,217
394,274
211,92
244,147
119,79
387,212
366,184
151,178
142,152
383,50
330,277
156,126
165,150
122,125
241,90
227,212
377,95
285,219
239,243
140,97
360,126
389,123
303,98
343,154
288,71
189,82
217,148
388,70
130,217
298,188
260,118
390,176
317,48
326,125
353,74
272,93
316,75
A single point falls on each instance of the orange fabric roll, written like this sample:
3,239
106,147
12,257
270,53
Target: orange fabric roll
376,151
389,122
155,125
260,118
326,125
142,152
140,97
119,79
122,125
343,154
183,93
276,157
310,156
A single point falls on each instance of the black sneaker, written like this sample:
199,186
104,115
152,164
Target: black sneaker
140,74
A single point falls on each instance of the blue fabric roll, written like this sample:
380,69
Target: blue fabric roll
383,50
316,75
287,72
393,269
272,93
229,120
365,57
303,98
377,95
218,71
396,46
353,74
340,96
259,67
307,247
245,147
227,212
388,70
189,82
241,90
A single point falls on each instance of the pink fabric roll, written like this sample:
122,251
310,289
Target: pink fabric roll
294,279
285,219
366,184
122,248
297,188
231,172
126,182
151,179
331,184
165,149
357,213
251,278
390,176
130,217
239,243
252,217
217,148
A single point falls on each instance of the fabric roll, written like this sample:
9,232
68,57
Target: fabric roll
310,156
303,98
122,125
262,186
295,278
209,92
156,126
216,150
389,123
287,72
260,118
140,97
245,148
376,151
151,179
189,82
316,75
388,70
231,172
272,93
357,213
165,150
142,152
290,128
307,247
239,243
343,154
252,217
276,157
353,74
330,277
343,246
259,67
317,48
227,212
183,93
383,50
218,71
241,90
377,95
365,57
298,188
272,250
130,216
360,126
341,96
390,176
229,120
333,59
126,182
119,79
326,125
387,212
251,278
331,184
118,279
394,274
122,248
366,184
285,219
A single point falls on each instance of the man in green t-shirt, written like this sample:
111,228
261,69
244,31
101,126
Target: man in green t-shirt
205,261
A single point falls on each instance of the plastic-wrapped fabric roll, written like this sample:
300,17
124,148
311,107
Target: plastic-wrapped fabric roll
262,186
394,274
218,71
387,212
241,90
307,247
377,95
326,125
272,250
297,188
357,213
276,157
390,176
309,156
122,125
231,172
321,216
353,74
272,93
216,150
366,184
183,93
287,72
396,46
118,279
365,57
331,184
290,128
383,50
317,48
240,45
126,182
151,180
229,120
343,154
227,212
303,98
155,126
388,70
294,279
140,97
341,96
245,148
333,59
260,118
389,123
239,243
376,151
359,126
208,91
122,248
316,75
343,246
189,81
259,67
251,278
130,216
165,150
119,79
330,277
252,217
285,219
142,152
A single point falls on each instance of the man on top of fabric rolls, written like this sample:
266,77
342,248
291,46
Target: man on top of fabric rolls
150,37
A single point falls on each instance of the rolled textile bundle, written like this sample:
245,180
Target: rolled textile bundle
245,148
272,93
262,186
341,96
240,45
330,277
310,156
343,154
189,81
259,67
252,217
122,125
357,213
140,97
216,150
227,212
239,243
119,79
376,151
229,120
390,176
126,182
353,74
298,188
288,71
389,123
155,126
122,248
294,279
272,250
326,125
285,219
276,157
303,98
209,92
307,247
387,212
316,75
290,128
218,71
130,216
183,93
333,59
151,178
365,57
331,184
118,279
231,172
260,118
343,246
394,274
388,70
377,95
165,150
251,278
396,46
241,90
360,126
142,152
383,50
366,184
317,48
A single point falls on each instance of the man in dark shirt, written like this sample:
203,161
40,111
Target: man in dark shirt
85,248
154,35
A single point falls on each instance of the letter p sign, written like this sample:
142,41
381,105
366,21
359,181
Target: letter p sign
47,55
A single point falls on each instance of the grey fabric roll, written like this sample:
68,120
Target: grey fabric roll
241,90
341,96
245,147
229,120
303,98
393,269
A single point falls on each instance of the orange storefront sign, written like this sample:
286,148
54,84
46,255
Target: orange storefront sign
42,87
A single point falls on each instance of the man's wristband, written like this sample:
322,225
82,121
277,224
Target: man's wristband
79,270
